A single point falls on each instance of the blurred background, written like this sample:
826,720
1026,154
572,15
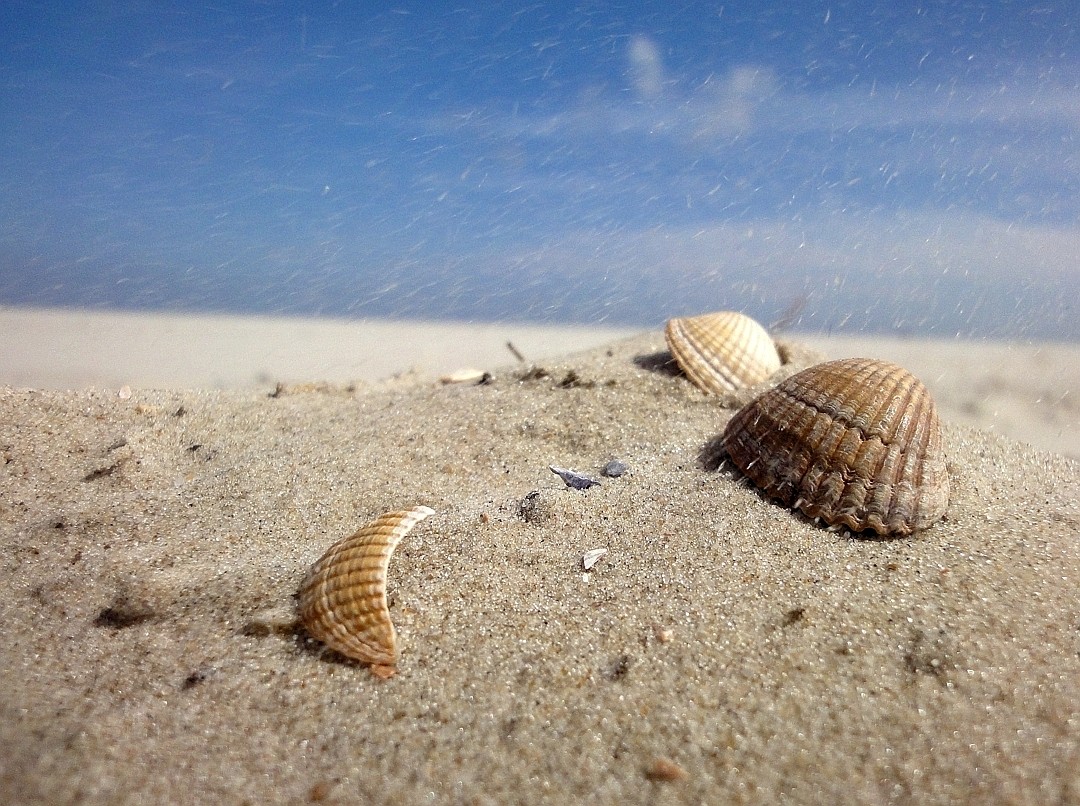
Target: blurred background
837,167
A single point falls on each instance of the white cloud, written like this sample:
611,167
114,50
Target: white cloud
728,106
915,272
646,67
750,99
860,199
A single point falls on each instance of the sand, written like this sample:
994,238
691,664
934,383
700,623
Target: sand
1027,391
57,348
725,650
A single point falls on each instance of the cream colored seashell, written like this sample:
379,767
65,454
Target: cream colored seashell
854,442
343,597
721,352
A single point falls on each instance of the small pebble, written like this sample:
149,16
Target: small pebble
664,770
614,469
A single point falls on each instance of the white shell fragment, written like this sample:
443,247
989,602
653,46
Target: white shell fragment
343,598
464,375
592,557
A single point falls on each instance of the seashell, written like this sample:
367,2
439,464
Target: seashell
722,352
854,442
343,597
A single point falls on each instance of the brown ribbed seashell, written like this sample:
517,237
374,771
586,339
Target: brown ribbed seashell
854,442
722,352
343,597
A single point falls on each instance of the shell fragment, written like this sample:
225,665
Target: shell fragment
592,557
574,479
343,598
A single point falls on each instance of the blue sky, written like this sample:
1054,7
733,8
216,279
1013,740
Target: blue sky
904,167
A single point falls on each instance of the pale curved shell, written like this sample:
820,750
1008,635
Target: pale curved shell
343,597
854,442
722,352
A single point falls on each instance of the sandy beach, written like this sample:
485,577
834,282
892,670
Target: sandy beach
1027,391
726,650
72,349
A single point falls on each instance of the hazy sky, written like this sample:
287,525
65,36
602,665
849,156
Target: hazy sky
861,165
